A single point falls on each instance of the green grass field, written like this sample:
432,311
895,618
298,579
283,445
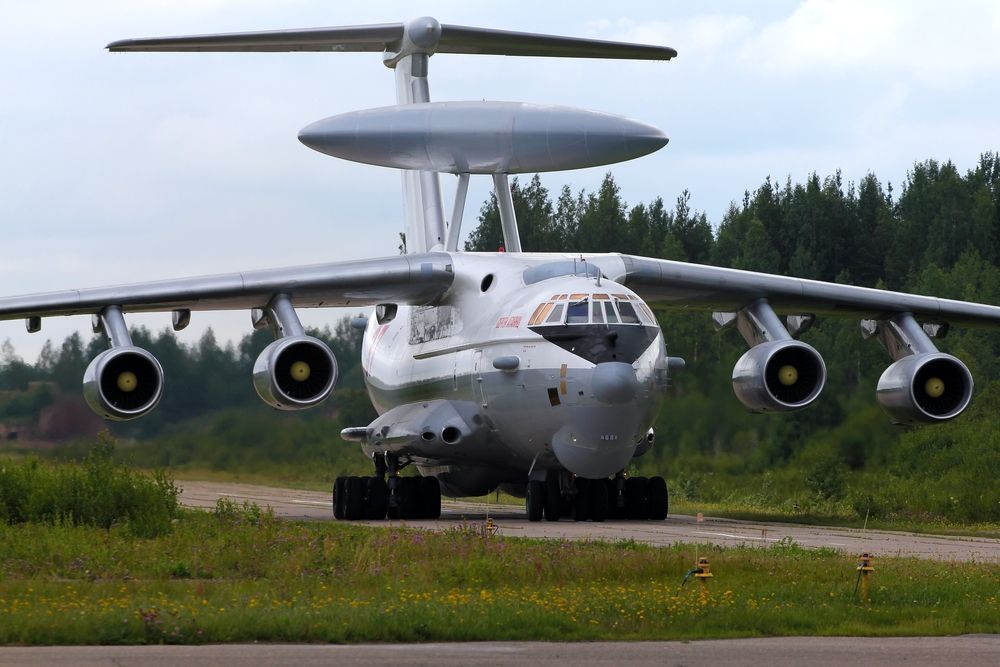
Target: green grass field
239,574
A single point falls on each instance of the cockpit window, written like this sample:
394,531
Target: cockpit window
628,313
597,312
578,312
598,308
609,310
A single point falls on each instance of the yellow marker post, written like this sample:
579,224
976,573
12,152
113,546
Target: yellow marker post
703,573
865,568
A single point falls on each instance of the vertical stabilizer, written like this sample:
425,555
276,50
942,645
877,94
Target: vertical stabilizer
421,189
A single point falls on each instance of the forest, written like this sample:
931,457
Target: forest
937,233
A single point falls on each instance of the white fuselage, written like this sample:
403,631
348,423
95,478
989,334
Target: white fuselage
541,384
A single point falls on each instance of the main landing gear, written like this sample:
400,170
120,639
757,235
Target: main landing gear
378,497
562,495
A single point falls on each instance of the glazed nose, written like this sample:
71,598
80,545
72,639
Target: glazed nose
614,382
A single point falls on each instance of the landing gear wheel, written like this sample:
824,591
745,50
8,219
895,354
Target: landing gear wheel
598,500
614,511
581,505
430,498
377,499
637,498
338,497
409,498
354,498
553,498
658,501
534,500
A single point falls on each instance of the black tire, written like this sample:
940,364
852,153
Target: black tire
409,498
354,498
637,498
553,497
534,500
598,500
658,501
614,512
393,513
338,497
581,504
377,499
430,498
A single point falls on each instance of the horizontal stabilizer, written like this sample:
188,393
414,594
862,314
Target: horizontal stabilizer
487,41
390,37
375,38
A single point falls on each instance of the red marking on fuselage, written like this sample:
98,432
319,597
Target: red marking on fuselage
376,337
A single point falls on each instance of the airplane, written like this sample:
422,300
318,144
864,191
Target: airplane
536,373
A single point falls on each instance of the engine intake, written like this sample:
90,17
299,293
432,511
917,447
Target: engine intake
123,383
779,376
295,372
925,388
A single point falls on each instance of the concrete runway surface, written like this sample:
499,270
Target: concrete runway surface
967,651
510,521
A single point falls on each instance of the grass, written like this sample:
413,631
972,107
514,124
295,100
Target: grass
742,503
238,574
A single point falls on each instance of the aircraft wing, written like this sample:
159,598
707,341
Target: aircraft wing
406,279
701,287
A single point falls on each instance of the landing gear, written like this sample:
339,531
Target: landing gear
375,498
534,500
562,494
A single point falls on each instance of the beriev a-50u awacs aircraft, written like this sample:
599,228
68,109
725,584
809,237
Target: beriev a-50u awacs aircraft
537,373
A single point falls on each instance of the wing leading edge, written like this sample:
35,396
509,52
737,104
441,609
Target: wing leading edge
406,279
701,287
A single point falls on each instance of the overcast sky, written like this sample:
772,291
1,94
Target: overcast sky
117,168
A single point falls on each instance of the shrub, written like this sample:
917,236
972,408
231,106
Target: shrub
97,492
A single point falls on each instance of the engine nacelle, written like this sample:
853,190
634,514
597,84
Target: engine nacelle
779,376
123,383
295,372
925,388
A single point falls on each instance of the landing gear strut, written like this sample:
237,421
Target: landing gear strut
386,494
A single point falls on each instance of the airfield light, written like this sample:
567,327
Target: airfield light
865,568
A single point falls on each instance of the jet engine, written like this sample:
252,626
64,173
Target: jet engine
123,383
295,372
779,376
925,388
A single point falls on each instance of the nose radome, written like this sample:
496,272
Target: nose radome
614,382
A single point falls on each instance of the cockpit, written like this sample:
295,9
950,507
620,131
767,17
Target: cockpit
596,308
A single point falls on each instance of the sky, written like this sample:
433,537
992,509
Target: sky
118,168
